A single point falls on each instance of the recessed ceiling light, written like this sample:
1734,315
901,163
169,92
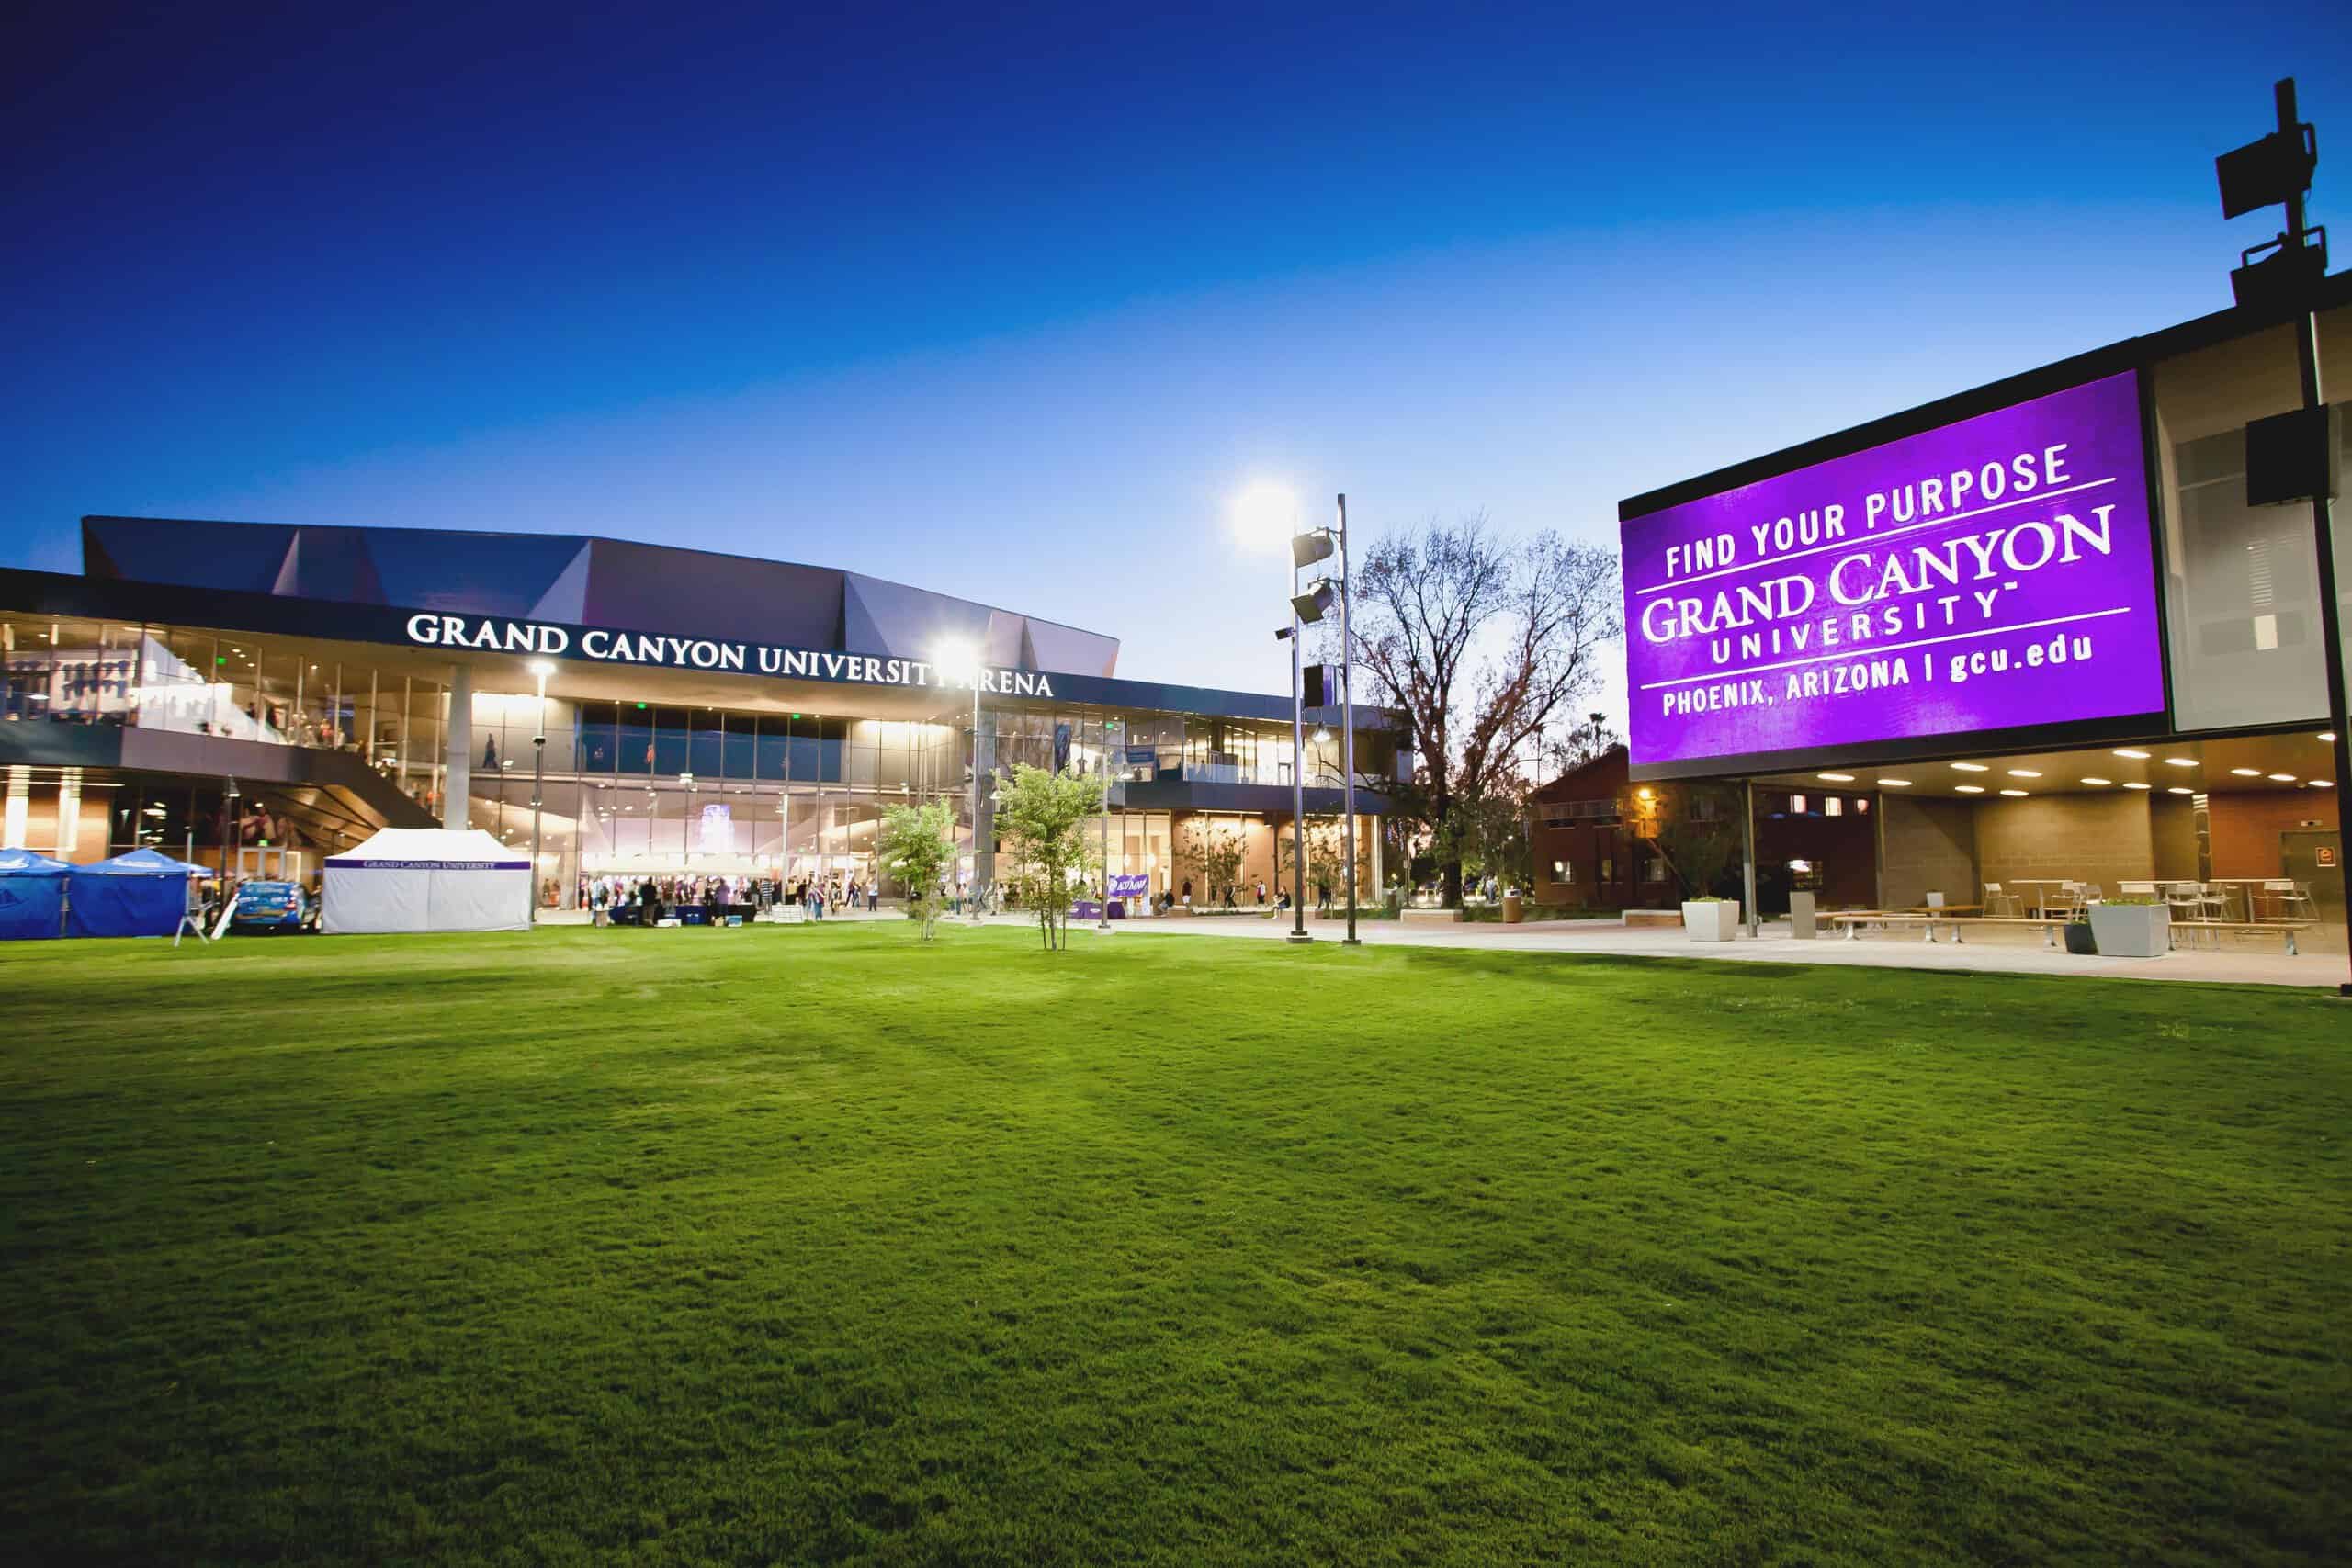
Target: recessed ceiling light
2019,794
2247,773
2135,756
1970,768
1835,778
2133,783
2180,761
2092,781
1895,784
2023,773
1969,789
2284,778
2328,736
2320,783
2177,789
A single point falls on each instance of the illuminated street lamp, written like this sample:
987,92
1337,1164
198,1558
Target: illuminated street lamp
1266,514
1305,549
961,658
541,669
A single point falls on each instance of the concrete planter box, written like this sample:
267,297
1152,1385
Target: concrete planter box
1717,921
2132,931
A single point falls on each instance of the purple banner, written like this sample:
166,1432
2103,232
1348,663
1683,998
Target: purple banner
1990,574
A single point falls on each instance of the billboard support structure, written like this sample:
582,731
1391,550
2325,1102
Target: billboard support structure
2279,168
1748,852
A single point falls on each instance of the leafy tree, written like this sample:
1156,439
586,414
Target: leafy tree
1326,841
1694,828
919,848
1213,850
1482,644
1488,833
1042,820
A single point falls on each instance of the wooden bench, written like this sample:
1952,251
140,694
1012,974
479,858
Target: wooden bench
2286,928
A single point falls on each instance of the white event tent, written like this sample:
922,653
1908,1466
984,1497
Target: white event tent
427,879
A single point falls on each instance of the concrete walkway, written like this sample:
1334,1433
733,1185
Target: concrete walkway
2263,965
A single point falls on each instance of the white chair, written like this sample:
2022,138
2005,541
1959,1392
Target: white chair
1935,900
2065,901
2181,902
2212,902
2001,905
2277,895
2135,890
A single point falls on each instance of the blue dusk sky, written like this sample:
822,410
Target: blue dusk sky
1011,302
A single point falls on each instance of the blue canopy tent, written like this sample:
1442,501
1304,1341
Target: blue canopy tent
139,894
32,892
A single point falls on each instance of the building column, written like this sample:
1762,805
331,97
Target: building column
456,777
1379,883
984,823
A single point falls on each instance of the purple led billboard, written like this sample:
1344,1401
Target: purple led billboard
1990,574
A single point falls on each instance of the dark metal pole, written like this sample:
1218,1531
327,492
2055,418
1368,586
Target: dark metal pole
1297,785
538,788
1348,715
2323,537
1747,849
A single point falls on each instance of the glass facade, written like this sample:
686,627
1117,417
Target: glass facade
267,688
2242,583
629,787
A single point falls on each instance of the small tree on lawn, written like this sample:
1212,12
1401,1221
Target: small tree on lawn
919,848
1693,828
1042,820
1488,831
1213,850
1326,857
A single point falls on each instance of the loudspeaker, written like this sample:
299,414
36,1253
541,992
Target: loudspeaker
2292,456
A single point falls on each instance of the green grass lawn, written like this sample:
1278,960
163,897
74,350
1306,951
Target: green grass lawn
807,1244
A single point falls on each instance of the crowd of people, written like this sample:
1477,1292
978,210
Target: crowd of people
660,897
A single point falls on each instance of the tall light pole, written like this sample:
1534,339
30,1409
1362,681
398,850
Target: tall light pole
540,669
1113,734
2287,455
1297,785
1265,514
1348,718
1305,549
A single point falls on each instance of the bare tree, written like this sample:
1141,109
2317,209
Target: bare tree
1565,752
1482,642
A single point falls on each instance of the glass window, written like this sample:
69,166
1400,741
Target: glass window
833,735
705,753
741,747
775,746
599,738
2241,583
636,739
669,743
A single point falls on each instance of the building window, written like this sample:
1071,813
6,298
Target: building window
1796,806
1608,869
1563,872
1654,870
1832,806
